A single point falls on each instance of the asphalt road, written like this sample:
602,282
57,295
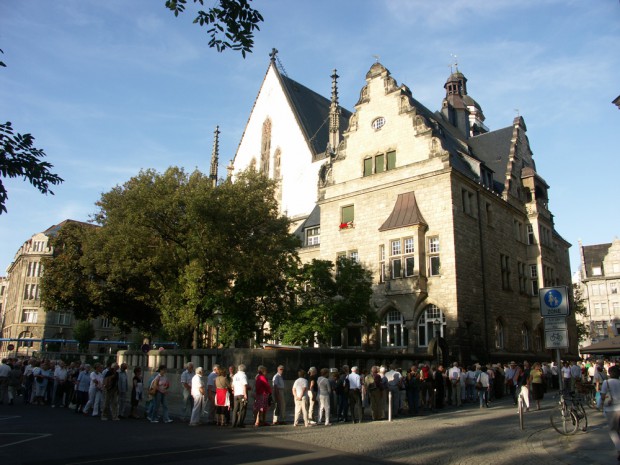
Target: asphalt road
466,436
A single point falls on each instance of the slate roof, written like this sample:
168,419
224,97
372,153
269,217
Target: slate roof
52,231
313,220
593,255
493,148
405,213
312,111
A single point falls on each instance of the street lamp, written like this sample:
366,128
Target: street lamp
217,319
437,328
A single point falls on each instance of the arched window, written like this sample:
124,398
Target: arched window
499,335
431,319
538,338
24,335
393,330
525,337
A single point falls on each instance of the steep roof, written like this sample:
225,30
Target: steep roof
54,229
312,111
593,255
493,148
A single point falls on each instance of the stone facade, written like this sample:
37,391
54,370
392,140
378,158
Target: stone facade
599,283
25,323
451,219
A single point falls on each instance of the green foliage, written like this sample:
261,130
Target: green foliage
580,310
83,332
19,158
236,20
172,250
327,301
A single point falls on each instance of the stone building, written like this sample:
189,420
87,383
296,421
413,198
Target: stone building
599,280
452,219
26,325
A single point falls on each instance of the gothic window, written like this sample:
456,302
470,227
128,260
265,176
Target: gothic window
265,147
499,335
525,337
429,322
393,330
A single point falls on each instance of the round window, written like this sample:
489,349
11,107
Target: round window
378,123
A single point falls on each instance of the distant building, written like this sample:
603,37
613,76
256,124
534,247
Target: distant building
452,219
26,325
599,281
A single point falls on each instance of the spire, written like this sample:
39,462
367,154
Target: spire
334,115
214,156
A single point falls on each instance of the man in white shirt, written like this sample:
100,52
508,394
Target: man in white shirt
300,394
186,384
575,374
393,380
211,393
197,392
454,374
5,371
60,384
240,393
566,377
355,395
279,416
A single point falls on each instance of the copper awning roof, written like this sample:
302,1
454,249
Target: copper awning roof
405,213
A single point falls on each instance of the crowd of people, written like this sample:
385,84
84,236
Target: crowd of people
323,396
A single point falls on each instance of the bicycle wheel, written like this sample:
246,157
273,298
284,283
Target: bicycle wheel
564,421
582,417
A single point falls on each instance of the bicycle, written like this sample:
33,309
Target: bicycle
569,416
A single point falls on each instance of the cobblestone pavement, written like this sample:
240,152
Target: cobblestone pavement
465,436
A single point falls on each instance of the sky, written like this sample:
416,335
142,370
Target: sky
111,88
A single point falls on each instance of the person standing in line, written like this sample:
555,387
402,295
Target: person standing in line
222,399
261,397
454,375
355,395
186,386
610,395
412,387
110,387
374,386
240,393
161,385
60,385
325,391
313,391
440,388
197,391
123,391
277,382
5,371
211,393
94,391
137,387
342,393
300,394
482,386
536,383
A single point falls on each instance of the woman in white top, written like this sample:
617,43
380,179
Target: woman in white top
198,394
300,394
610,394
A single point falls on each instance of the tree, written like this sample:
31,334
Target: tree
19,158
328,301
581,314
83,332
235,19
173,250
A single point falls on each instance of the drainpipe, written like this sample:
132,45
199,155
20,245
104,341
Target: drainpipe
484,286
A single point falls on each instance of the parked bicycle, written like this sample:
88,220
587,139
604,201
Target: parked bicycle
570,415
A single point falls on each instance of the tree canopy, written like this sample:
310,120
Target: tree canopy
172,251
235,20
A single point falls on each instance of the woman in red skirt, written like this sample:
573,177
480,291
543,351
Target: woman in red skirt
261,399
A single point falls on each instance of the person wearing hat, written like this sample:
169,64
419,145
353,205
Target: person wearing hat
512,374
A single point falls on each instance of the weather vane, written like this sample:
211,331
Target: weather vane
376,57
455,64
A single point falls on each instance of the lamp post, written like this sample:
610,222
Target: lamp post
437,328
217,319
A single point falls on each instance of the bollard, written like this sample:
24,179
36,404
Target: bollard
389,405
